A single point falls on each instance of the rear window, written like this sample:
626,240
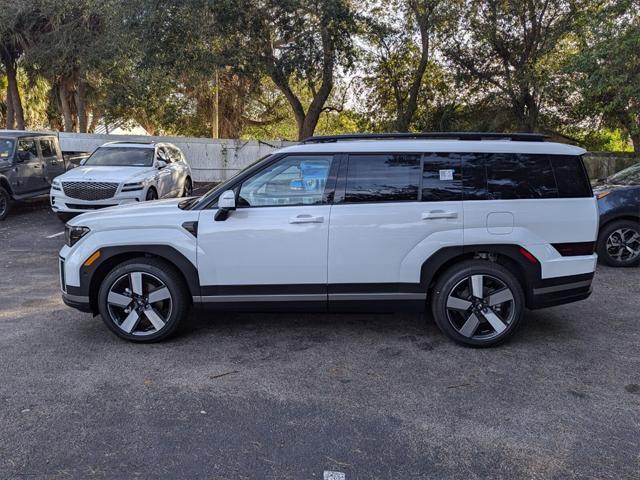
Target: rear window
382,178
48,150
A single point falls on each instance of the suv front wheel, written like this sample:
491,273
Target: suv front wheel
478,303
143,300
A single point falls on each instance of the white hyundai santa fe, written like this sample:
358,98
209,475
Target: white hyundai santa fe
474,227
122,172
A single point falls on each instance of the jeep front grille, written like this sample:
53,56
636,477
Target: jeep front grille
89,190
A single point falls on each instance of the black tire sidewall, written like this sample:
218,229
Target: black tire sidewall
188,188
603,255
152,194
171,279
7,198
455,274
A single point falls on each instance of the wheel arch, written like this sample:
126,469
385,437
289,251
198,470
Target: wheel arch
509,256
623,216
110,257
4,183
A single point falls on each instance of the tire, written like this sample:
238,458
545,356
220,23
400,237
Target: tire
152,194
619,244
188,188
5,203
476,321
127,307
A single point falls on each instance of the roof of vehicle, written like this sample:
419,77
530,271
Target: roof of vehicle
435,145
23,133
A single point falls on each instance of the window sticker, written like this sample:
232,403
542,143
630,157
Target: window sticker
446,174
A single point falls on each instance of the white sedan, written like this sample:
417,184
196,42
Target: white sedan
118,173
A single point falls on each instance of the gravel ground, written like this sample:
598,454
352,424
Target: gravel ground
289,396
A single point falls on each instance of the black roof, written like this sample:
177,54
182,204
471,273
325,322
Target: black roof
522,137
23,133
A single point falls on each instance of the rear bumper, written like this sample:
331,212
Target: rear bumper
560,290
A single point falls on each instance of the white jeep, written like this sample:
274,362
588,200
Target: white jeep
475,227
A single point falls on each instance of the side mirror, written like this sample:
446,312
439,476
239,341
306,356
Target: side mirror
161,164
226,203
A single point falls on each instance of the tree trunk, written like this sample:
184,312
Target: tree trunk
65,105
81,104
11,118
15,113
635,139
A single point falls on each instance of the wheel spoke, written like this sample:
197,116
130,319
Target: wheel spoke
476,285
154,318
118,300
159,295
130,322
470,326
502,296
495,321
136,283
458,303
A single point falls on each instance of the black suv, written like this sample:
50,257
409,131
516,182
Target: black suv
29,161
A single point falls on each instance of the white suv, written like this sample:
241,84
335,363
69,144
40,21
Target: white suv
475,226
122,172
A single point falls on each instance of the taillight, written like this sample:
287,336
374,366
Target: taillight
574,249
528,255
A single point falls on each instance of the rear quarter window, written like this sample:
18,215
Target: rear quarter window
571,177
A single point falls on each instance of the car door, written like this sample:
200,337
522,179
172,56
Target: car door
51,158
29,170
273,247
392,211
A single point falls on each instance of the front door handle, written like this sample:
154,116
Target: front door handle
306,219
435,214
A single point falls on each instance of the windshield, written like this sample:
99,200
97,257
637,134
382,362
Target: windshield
121,157
221,187
6,148
628,176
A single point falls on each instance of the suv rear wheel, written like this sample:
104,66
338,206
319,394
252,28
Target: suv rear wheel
143,300
478,303
619,244
5,203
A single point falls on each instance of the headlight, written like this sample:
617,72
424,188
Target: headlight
55,185
73,234
132,187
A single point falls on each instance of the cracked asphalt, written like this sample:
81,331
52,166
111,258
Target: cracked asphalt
289,396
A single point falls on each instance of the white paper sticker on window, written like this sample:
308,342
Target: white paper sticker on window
446,174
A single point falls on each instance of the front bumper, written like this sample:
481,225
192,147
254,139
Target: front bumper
60,203
77,301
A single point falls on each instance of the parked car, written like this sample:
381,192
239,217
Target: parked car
29,161
619,206
122,172
478,226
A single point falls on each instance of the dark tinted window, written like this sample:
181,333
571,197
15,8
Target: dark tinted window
28,146
441,177
516,175
121,157
383,178
571,177
474,176
48,150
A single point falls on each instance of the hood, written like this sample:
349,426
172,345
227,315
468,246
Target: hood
89,173
136,215
602,187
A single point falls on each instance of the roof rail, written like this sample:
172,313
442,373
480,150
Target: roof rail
516,137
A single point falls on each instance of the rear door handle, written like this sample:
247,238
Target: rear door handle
435,214
306,219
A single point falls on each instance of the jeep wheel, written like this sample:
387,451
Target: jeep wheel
5,203
143,300
619,244
478,303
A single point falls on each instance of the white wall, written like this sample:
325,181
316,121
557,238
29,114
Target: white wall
210,160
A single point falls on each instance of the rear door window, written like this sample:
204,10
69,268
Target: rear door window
47,148
441,177
383,178
520,176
